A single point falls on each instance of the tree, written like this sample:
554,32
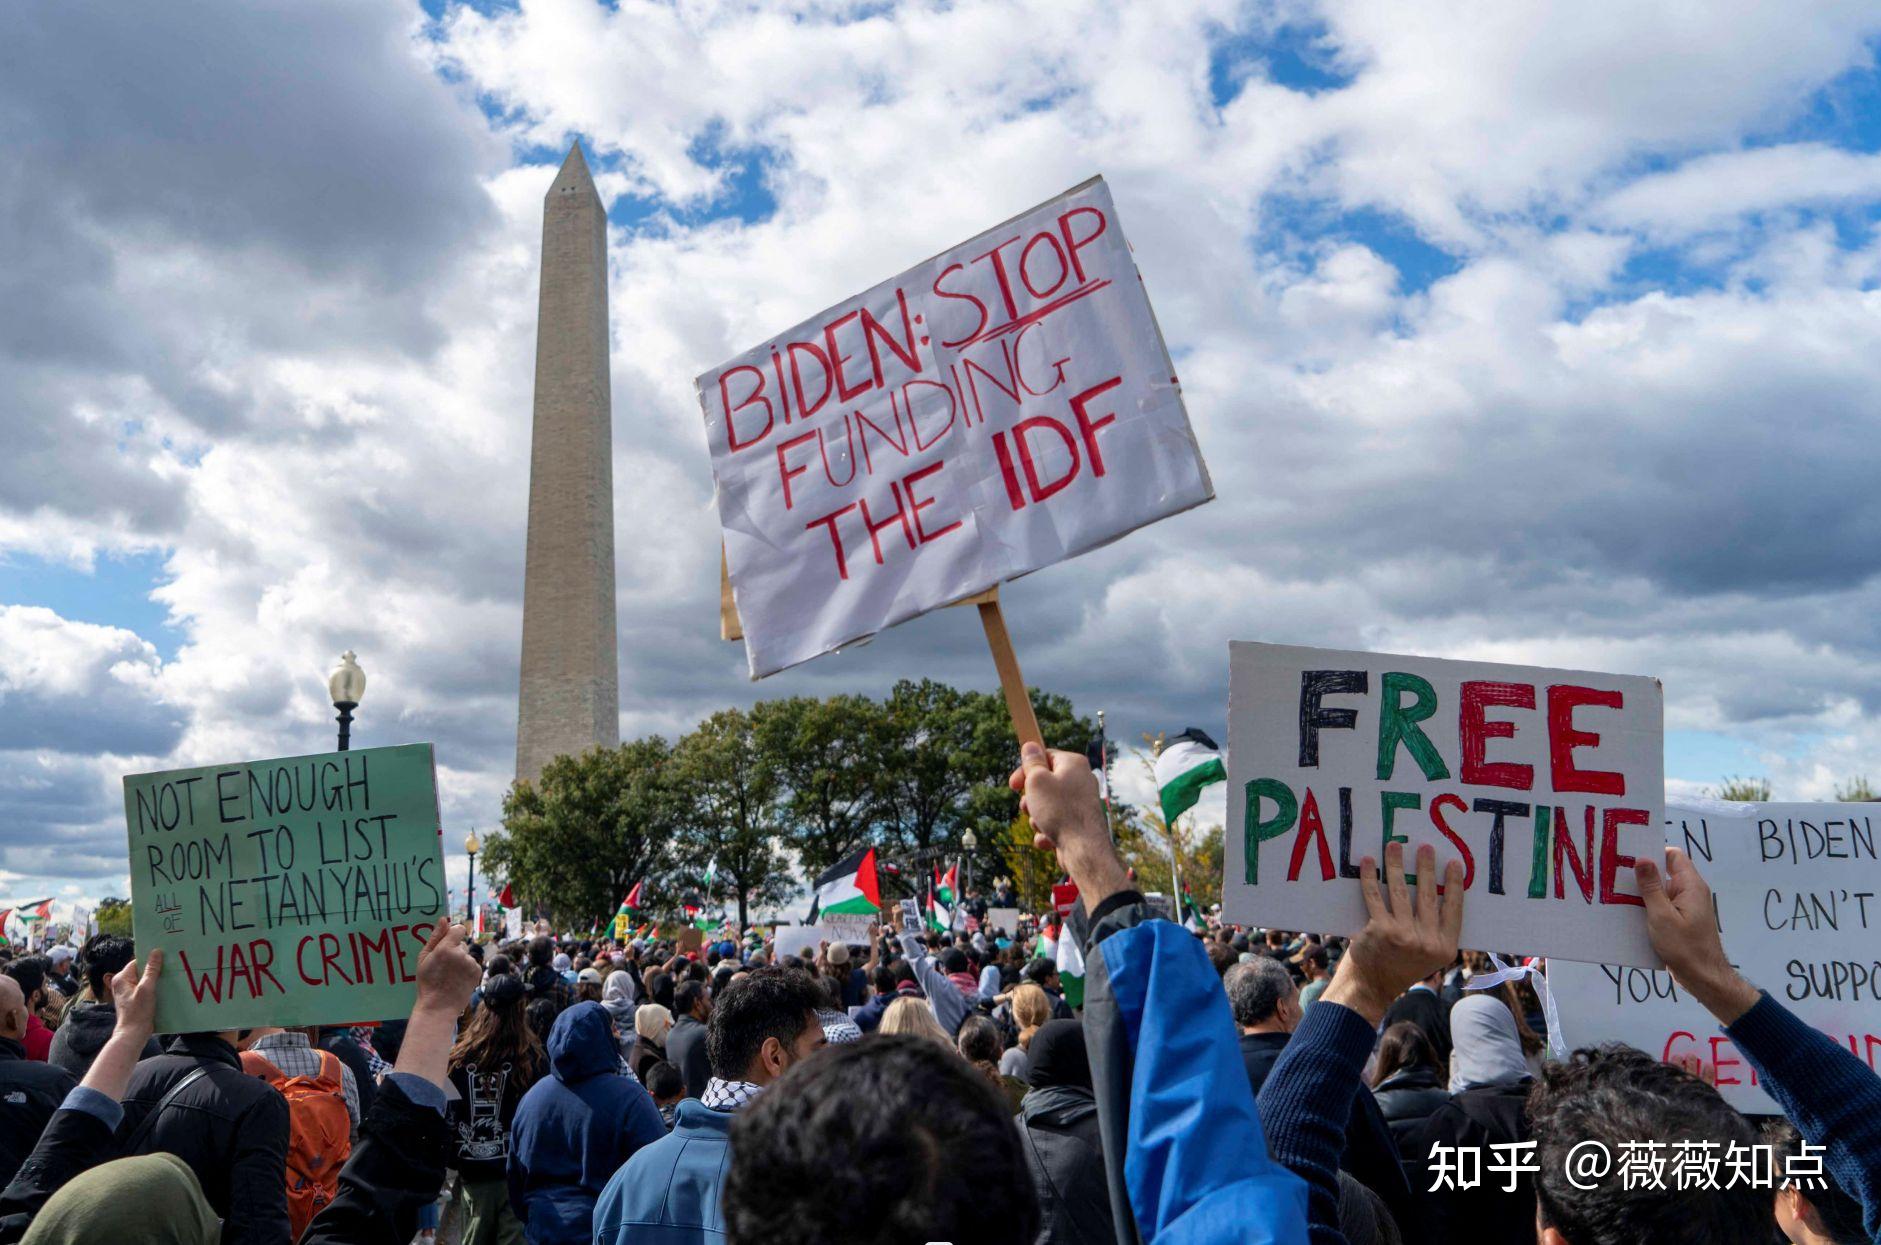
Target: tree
593,826
824,753
114,916
1749,790
1855,791
733,808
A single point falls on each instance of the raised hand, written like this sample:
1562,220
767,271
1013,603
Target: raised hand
1061,798
1682,921
1402,942
134,996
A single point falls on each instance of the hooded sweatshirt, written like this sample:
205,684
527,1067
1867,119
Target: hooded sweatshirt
1058,1126
575,1128
152,1198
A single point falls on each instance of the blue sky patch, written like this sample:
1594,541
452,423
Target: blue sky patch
115,593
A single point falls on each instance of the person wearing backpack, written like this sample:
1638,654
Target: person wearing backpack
323,1110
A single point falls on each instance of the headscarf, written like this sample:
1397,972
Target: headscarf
561,963
1057,1056
1484,1047
154,1199
653,1022
618,997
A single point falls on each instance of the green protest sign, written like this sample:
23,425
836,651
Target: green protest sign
294,891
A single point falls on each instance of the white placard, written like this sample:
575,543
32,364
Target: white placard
1547,784
851,928
798,939
1798,890
1003,918
1003,406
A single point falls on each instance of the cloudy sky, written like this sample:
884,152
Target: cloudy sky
1546,332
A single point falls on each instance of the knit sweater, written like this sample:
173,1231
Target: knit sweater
1306,1103
1833,1098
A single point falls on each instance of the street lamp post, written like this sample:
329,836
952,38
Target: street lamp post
470,883
347,683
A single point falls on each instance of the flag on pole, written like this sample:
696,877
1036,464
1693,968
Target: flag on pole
940,901
847,888
632,902
508,898
1187,763
1069,960
6,919
947,889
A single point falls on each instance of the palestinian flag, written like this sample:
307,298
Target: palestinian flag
939,917
632,902
1069,960
945,888
847,888
507,898
1187,763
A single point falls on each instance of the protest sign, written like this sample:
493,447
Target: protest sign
1544,784
849,927
801,939
1798,893
1003,406
1006,919
286,892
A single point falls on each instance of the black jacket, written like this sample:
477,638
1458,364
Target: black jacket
83,1033
341,1045
1478,1118
1058,1128
231,1128
685,1050
396,1169
1258,1052
1408,1097
29,1093
1427,1010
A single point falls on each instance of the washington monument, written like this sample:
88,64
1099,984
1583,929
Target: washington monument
570,669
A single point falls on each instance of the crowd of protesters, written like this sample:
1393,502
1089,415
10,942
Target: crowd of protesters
1216,1085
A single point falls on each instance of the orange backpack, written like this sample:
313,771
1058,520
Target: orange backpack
319,1133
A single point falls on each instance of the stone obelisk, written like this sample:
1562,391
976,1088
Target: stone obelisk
570,670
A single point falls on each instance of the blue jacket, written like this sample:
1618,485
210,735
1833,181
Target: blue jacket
670,1192
574,1129
1175,1110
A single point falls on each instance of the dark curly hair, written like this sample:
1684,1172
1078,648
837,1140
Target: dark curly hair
770,1002
1615,1094
932,1155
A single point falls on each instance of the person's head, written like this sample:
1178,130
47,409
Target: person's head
935,1158
912,1017
541,951
763,1025
652,1023
12,1009
498,1032
1485,1047
721,977
1403,1046
838,956
105,955
30,971
1042,973
659,988
1276,938
665,1083
1263,996
498,966
980,1044
61,957
1031,1007
902,971
1612,1095
588,986
1223,957
690,1000
1822,1214
154,1199
883,979
1313,962
1057,1057
953,960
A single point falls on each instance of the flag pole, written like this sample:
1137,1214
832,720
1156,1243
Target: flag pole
1169,832
1011,681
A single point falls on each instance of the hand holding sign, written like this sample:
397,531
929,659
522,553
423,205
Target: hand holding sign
1682,920
134,997
1401,944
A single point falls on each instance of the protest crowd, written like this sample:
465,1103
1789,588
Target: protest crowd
1216,1084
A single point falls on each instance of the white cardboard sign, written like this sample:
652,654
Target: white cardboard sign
1006,405
1798,891
1546,784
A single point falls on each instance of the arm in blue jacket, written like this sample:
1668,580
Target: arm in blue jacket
1833,1098
1306,1102
1173,1096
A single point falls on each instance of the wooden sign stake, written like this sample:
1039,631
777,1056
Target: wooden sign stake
1011,682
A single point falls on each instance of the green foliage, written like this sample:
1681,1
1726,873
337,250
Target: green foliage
594,825
798,781
114,916
1855,791
1749,790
